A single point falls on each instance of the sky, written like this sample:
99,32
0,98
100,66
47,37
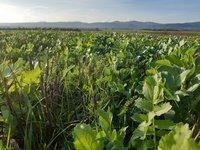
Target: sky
161,11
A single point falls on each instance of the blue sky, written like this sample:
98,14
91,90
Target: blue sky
163,11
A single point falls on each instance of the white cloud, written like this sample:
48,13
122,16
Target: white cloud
15,13
11,13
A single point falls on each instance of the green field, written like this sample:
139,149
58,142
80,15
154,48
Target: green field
109,90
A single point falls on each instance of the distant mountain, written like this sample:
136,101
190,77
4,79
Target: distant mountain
106,25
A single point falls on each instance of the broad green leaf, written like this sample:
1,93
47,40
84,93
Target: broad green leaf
140,132
178,139
164,124
105,120
139,117
101,134
191,51
164,62
121,134
150,115
171,96
182,42
193,88
153,89
184,75
171,77
144,104
148,88
175,60
7,72
181,93
113,136
162,109
158,94
151,71
85,138
32,76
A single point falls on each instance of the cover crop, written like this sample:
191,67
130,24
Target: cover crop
99,90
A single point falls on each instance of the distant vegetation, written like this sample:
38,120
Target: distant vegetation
99,90
195,26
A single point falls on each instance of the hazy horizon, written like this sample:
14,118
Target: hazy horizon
159,11
97,22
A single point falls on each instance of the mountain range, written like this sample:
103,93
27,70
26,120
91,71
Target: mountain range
195,26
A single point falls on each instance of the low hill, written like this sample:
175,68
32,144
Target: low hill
106,25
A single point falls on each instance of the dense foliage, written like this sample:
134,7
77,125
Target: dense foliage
103,90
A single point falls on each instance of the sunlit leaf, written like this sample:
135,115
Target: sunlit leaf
178,139
85,138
